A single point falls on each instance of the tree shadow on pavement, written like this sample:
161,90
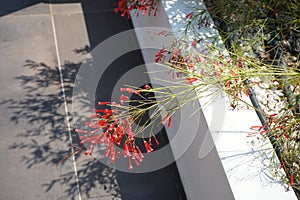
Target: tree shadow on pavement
46,140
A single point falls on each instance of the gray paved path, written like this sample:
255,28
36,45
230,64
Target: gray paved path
42,44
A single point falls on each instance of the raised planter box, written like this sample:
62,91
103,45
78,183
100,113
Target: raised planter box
220,162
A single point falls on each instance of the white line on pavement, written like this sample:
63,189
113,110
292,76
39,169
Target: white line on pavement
65,101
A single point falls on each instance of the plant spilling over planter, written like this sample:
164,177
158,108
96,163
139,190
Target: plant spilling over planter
266,35
262,39
146,7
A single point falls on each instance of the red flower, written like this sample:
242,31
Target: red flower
161,33
80,131
122,98
233,73
194,43
257,128
140,152
251,134
129,164
165,118
246,91
189,16
217,73
148,147
191,80
103,103
170,121
292,179
198,58
83,137
86,152
159,55
126,152
129,90
137,163
147,87
282,165
129,131
155,139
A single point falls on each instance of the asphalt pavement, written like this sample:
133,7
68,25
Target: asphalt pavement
42,46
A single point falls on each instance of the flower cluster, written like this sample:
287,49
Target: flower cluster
205,67
145,6
111,128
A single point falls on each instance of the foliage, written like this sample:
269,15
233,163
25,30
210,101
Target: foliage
262,61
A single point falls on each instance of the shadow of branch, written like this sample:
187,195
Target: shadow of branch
46,140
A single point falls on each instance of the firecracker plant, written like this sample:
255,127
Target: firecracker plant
262,39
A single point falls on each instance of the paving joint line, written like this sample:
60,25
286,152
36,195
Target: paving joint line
65,101
63,13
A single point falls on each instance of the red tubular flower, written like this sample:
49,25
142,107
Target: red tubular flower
129,90
191,80
122,98
137,163
159,55
194,43
217,73
217,64
129,163
257,128
155,139
113,156
106,153
292,179
95,131
227,84
102,123
103,103
148,147
86,152
238,65
202,71
246,91
90,150
80,131
189,16
132,7
161,33
170,121
198,58
136,155
94,116
147,87
255,82
149,140
140,152
176,52
126,152
117,10
233,73
86,140
129,131
251,134
83,137
165,118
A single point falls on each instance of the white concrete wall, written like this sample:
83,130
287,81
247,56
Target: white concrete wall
202,178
